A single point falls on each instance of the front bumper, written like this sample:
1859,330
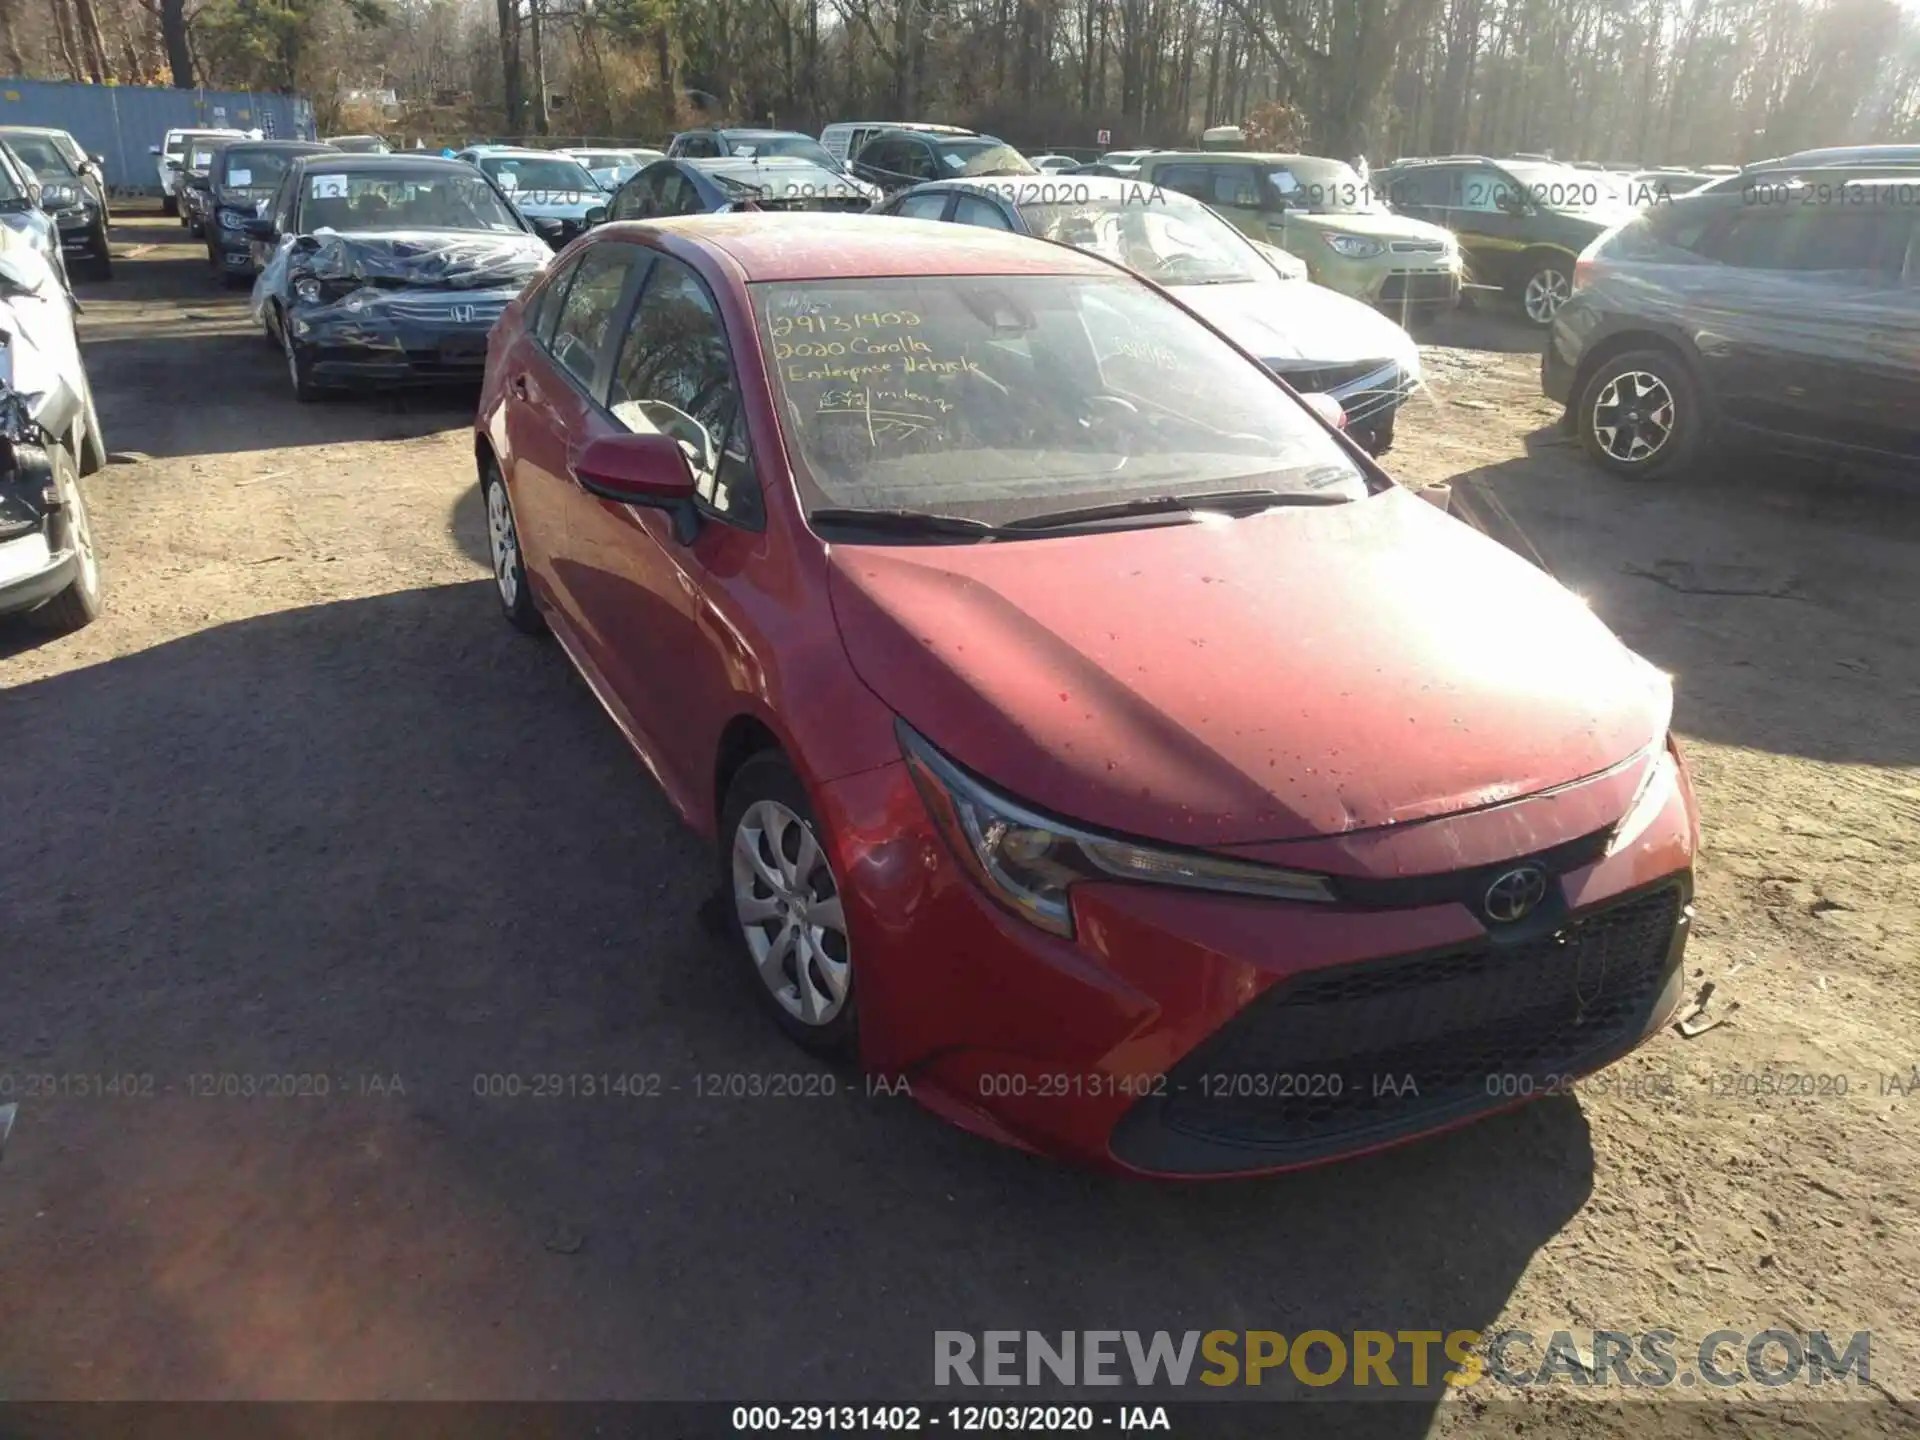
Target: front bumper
399,339
31,572
1181,1034
81,235
1370,391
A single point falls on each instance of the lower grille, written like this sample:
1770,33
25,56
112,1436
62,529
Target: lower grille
1379,1045
1418,247
1419,285
1323,379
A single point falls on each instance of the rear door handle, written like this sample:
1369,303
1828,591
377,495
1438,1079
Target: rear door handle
519,386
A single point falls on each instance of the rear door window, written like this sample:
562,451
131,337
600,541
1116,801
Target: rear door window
971,210
928,205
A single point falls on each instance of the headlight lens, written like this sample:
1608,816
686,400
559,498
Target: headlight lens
309,290
59,196
232,220
1029,862
1354,247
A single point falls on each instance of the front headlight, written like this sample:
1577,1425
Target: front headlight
1354,247
309,290
1029,862
58,197
232,220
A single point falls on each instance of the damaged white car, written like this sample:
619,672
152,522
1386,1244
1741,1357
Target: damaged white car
49,438
387,269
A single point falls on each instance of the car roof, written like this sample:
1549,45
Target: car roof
34,130
729,164
510,151
761,132
323,161
811,245
313,147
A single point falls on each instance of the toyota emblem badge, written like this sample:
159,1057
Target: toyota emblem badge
1513,895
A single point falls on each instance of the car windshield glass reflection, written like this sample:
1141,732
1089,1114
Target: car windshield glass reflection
540,178
982,157
43,155
255,169
1002,398
1168,243
396,200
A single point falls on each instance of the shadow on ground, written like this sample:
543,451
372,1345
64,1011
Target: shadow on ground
389,848
1676,567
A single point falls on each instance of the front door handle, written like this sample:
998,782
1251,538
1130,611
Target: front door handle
519,387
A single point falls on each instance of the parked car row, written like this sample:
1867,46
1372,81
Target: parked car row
986,573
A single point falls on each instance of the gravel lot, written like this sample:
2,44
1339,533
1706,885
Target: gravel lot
300,804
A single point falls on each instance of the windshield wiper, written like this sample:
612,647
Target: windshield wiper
905,522
1230,502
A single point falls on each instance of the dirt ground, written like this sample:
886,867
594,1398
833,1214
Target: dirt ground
300,804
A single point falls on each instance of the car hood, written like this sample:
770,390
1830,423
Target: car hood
457,258
1379,224
1300,672
1293,320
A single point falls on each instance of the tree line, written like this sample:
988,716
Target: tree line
1640,81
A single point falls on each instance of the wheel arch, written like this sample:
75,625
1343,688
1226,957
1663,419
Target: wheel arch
1540,253
741,738
1620,342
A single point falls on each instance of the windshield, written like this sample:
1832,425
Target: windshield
359,144
10,191
998,398
1323,187
801,145
201,156
538,178
982,157
42,156
254,169
404,200
1169,243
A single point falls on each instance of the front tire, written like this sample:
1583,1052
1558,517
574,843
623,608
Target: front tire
1640,414
299,365
101,266
509,563
1545,290
169,206
79,604
786,903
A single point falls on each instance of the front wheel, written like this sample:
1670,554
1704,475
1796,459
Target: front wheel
299,365
1640,414
100,267
169,206
79,603
1546,289
786,903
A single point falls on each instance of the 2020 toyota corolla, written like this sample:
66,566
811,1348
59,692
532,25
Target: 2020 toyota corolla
1089,734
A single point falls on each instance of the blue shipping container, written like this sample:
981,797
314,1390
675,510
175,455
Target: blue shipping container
122,123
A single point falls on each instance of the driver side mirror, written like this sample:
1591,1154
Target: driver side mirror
259,227
173,165
646,470
597,215
1511,201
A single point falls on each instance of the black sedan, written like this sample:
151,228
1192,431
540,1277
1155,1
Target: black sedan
705,187
71,191
243,176
387,269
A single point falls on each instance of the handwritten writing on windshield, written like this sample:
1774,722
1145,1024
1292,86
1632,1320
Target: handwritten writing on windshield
889,414
826,323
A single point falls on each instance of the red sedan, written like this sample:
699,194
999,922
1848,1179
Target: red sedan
1089,734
